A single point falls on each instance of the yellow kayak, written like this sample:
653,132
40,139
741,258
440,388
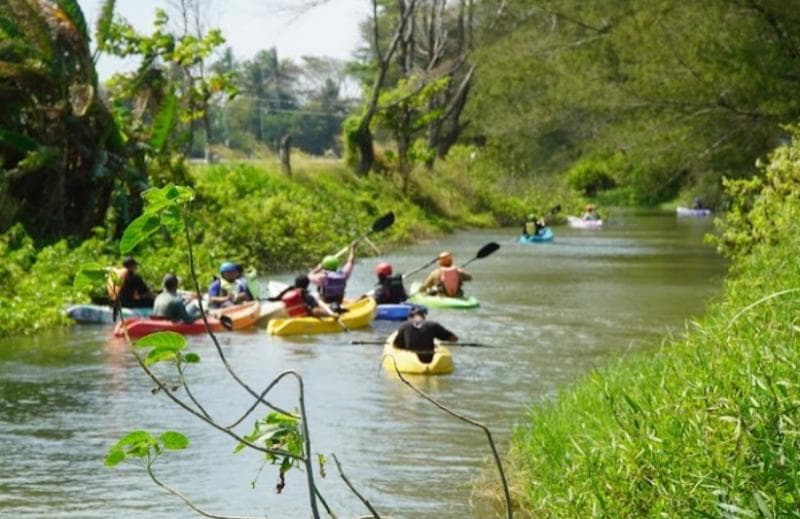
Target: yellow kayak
408,362
359,314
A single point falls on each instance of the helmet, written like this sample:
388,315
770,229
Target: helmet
445,259
330,263
532,217
227,267
589,207
301,281
383,269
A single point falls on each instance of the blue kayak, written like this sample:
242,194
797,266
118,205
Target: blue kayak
545,235
394,312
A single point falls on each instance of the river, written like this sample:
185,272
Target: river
552,312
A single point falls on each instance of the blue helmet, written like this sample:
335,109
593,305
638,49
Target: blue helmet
227,267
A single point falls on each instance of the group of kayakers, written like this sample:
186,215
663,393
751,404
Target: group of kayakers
330,277
535,224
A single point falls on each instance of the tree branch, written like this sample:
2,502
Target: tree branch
352,488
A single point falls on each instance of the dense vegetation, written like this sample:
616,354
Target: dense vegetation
707,427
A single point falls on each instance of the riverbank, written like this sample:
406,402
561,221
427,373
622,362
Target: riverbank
707,426
252,213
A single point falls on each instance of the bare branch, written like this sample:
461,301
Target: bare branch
352,488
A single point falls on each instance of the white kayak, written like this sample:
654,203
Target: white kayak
104,314
580,223
688,211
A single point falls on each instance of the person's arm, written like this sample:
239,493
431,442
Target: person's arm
351,259
464,275
214,293
316,277
400,337
443,334
431,281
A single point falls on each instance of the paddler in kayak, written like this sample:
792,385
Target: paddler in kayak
225,291
243,282
331,280
299,302
590,214
533,225
447,280
389,290
418,334
169,305
131,291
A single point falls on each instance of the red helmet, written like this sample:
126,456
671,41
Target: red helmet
383,269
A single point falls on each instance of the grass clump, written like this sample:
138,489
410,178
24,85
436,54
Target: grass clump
710,425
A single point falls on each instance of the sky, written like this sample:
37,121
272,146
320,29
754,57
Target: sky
330,29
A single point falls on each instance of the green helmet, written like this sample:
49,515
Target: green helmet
532,217
330,263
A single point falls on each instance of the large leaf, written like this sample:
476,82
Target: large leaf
139,230
163,123
17,141
162,340
90,275
174,440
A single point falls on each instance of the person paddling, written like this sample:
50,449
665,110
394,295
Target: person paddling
332,280
225,290
446,280
418,334
299,302
169,305
130,290
389,289
534,225
590,214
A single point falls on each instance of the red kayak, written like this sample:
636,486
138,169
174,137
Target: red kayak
241,316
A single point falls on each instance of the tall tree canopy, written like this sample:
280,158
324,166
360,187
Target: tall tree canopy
686,91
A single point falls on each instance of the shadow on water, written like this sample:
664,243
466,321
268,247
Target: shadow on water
552,312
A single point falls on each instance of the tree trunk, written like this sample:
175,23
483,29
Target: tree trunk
284,154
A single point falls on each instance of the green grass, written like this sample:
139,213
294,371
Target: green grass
710,425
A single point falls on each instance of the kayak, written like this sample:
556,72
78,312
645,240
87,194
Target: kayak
394,312
241,317
408,362
545,235
270,310
359,314
103,314
580,223
441,301
688,211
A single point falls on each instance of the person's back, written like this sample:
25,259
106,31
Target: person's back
169,305
390,289
331,280
447,279
419,335
131,291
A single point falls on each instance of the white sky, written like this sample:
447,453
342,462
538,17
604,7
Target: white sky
252,25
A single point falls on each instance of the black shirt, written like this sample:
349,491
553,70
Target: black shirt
420,336
132,286
390,290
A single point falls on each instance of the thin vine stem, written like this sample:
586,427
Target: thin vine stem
498,462
353,489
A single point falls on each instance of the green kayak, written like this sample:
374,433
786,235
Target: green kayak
441,301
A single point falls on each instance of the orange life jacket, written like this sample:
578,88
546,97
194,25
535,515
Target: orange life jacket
295,306
450,280
112,287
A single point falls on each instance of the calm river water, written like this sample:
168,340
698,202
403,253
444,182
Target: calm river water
552,312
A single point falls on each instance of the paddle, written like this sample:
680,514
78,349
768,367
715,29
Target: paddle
466,344
378,225
484,251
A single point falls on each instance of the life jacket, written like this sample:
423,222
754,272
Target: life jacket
392,290
111,286
530,227
333,286
293,300
228,288
450,279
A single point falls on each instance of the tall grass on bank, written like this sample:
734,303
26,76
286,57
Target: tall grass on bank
710,425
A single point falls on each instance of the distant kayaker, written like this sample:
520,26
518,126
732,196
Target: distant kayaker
131,291
299,302
418,334
225,291
446,280
169,305
390,289
590,214
332,280
534,225
697,203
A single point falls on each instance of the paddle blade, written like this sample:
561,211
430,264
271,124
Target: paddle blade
383,222
489,248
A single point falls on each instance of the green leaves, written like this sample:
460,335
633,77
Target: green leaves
167,346
162,208
90,275
145,446
138,231
282,432
163,123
